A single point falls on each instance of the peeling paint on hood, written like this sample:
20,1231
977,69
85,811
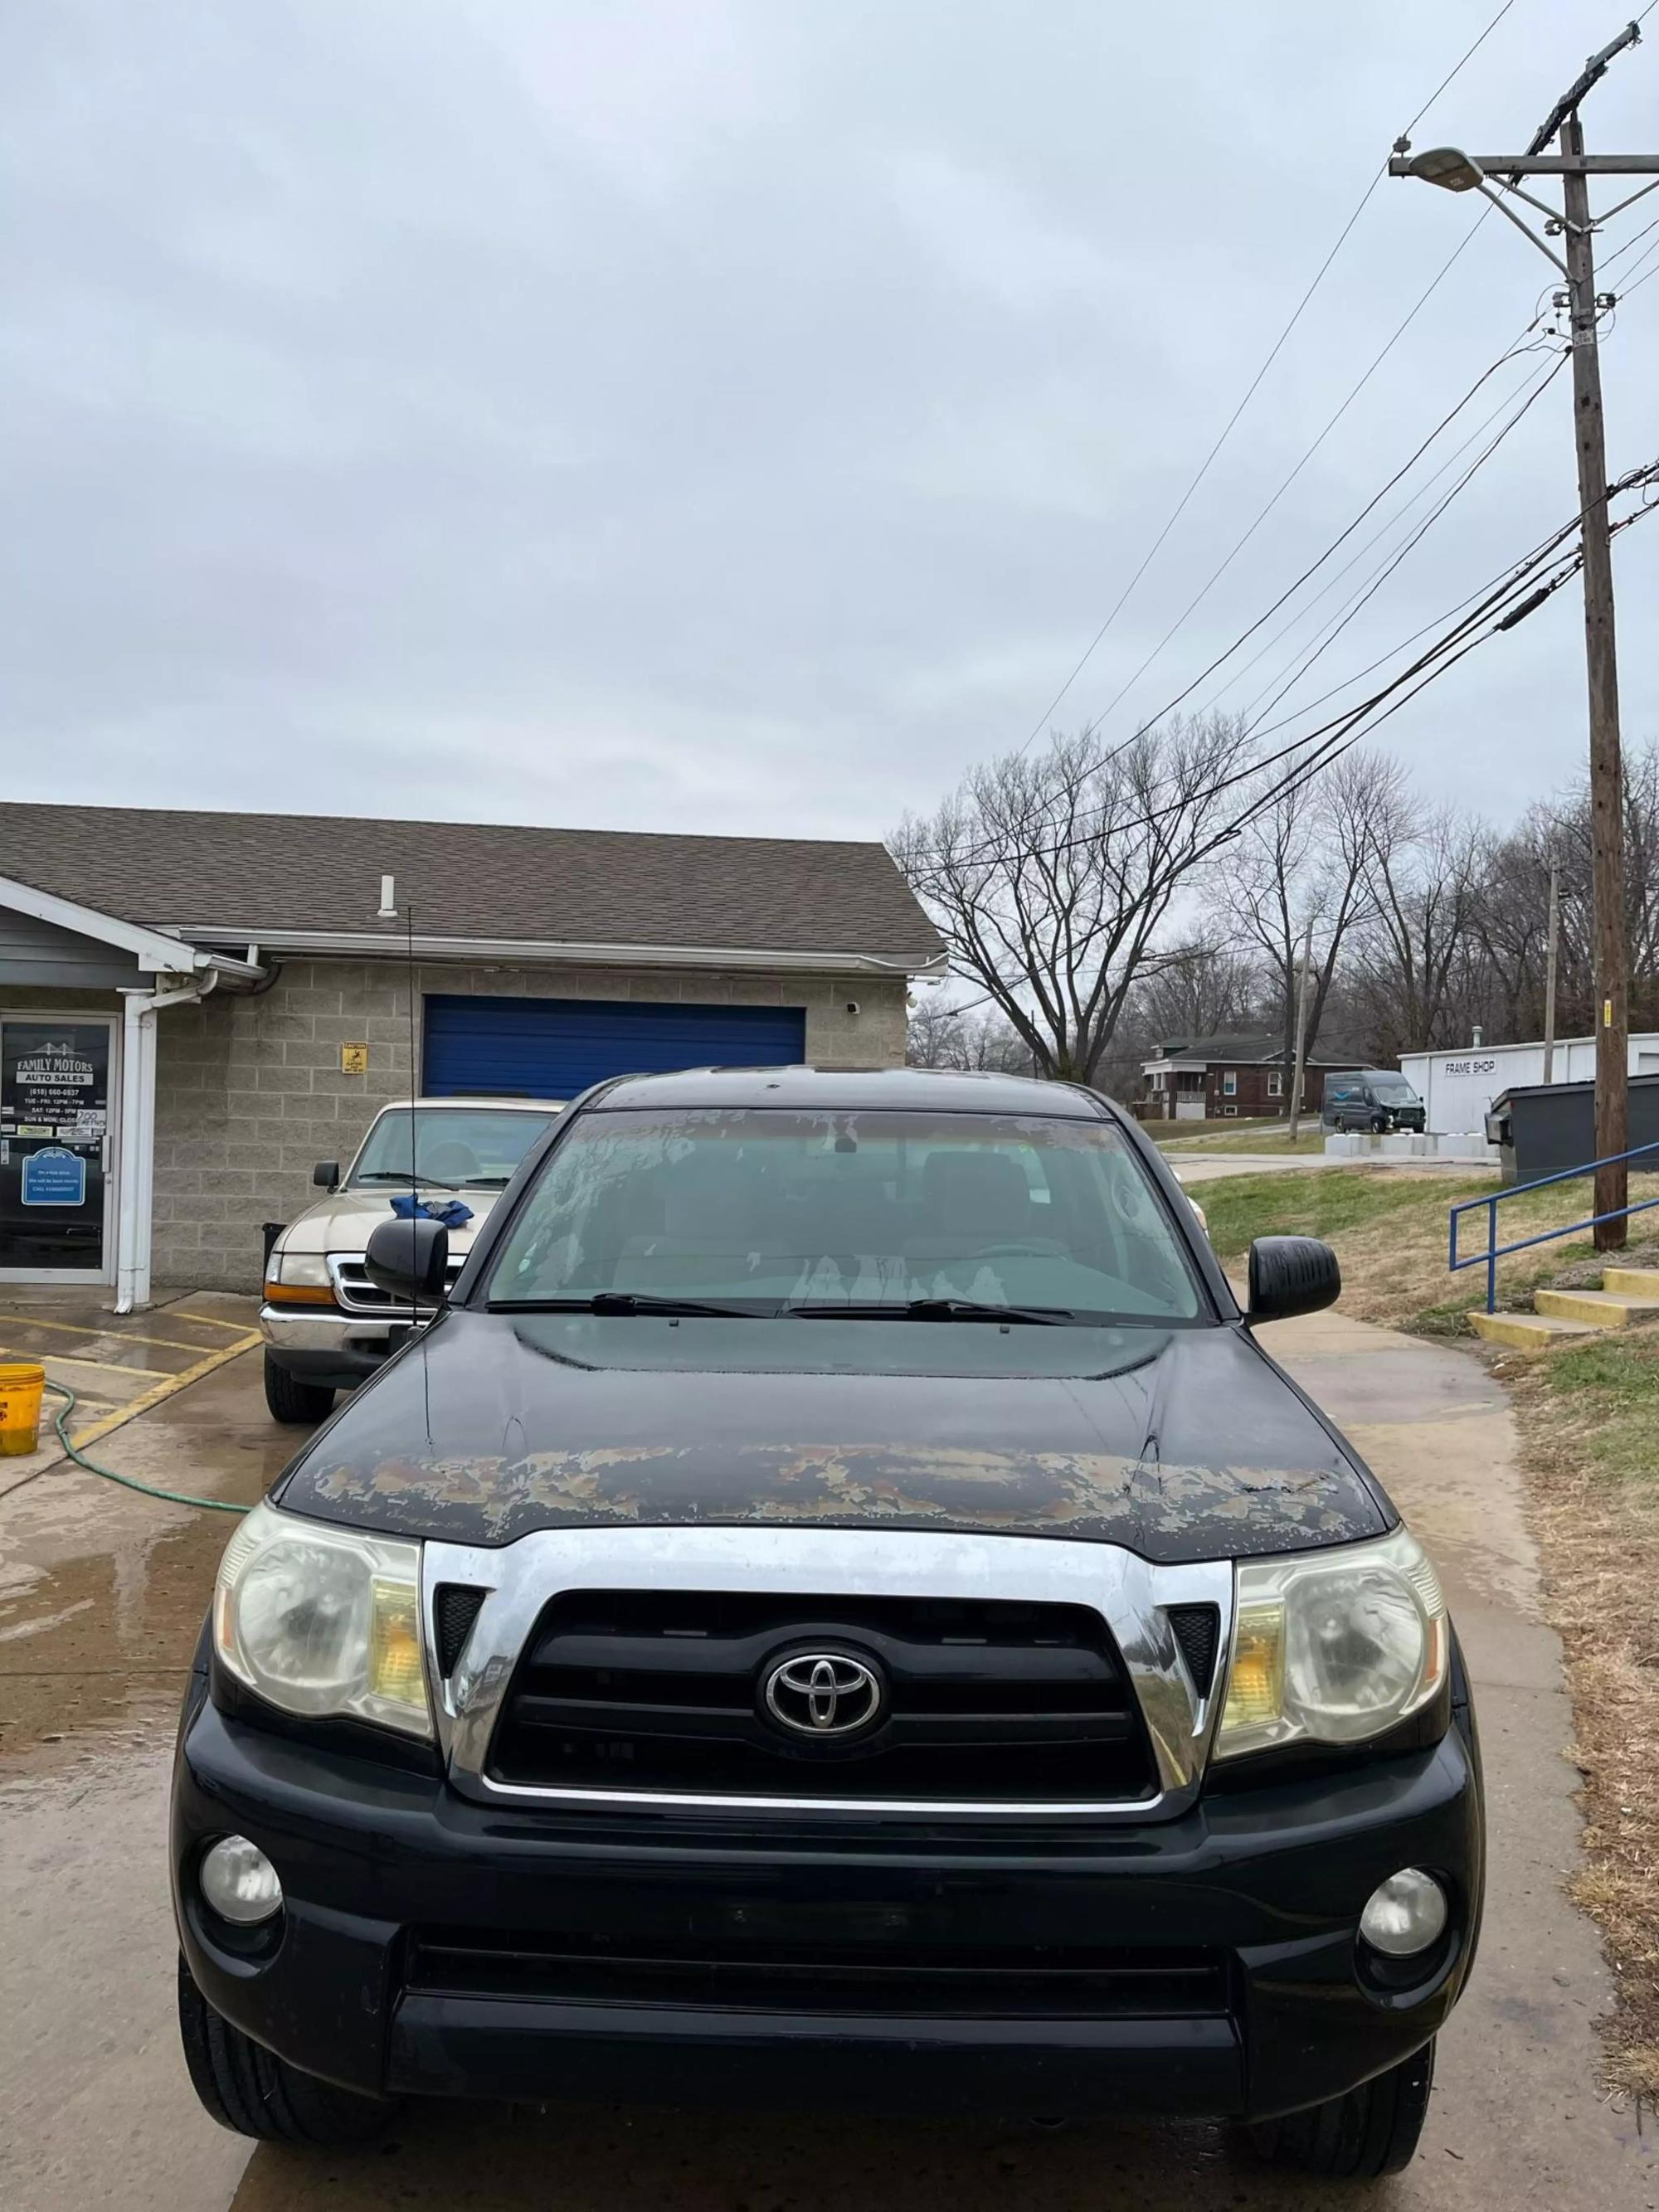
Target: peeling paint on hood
1183,1444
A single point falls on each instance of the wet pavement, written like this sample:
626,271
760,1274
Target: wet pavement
101,1595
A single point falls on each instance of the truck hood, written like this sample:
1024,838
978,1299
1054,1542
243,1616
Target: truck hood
1180,1443
342,1221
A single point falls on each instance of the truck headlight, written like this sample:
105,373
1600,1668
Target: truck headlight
1334,1646
321,1621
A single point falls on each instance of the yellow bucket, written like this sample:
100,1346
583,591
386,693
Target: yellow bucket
21,1382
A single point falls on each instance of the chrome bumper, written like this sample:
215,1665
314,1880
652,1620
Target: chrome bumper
326,1329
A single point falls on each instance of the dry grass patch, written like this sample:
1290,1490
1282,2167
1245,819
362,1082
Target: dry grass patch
1589,1421
1388,1227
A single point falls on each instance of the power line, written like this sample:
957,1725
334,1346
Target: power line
1322,745
1217,573
1450,416
1368,592
1277,348
1377,536
1182,504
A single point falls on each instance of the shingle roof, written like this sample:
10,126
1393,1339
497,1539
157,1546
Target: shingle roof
1253,1046
229,876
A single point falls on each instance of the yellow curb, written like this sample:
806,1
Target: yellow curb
1596,1309
1525,1332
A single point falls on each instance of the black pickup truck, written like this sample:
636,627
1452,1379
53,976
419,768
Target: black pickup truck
838,1605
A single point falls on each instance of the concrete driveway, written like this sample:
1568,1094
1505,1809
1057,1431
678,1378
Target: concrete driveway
101,1592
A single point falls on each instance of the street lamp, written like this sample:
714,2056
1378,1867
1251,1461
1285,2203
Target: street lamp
1455,171
1448,167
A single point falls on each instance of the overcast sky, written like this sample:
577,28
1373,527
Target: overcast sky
739,414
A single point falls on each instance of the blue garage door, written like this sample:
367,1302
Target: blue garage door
554,1048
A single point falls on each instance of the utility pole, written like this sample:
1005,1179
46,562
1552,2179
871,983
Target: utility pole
1552,943
1301,1030
1494,174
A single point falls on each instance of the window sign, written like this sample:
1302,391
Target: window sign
53,1176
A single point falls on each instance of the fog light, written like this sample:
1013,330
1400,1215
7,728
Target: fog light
1404,1914
239,1882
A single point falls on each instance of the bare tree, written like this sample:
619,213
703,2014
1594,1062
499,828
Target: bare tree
1309,856
975,1037
1050,875
1424,890
1202,986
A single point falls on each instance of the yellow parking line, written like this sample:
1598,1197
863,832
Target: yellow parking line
165,1389
68,1359
127,1335
210,1320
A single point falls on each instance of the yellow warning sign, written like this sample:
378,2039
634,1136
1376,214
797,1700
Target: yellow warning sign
353,1059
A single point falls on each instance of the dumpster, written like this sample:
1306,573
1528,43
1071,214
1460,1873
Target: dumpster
1542,1128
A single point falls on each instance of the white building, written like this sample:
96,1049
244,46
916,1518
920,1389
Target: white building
1457,1087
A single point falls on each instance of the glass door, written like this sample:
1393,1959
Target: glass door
55,1155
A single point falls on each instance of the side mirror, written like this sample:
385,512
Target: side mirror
326,1175
409,1260
1288,1275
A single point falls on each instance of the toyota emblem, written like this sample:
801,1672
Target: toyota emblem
824,1693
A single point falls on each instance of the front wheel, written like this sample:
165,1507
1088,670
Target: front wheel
1370,2131
252,2092
297,1403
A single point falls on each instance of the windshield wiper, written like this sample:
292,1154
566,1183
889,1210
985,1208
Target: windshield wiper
402,1175
486,1182
621,1302
928,1309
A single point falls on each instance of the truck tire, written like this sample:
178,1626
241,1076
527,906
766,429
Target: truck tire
1370,2131
300,1404
249,2090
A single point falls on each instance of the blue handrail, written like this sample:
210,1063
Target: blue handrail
1495,1251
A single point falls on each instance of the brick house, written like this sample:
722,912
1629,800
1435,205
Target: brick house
1217,1077
195,1007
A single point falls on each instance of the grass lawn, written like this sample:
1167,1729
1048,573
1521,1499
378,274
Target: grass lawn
1388,1227
1589,1424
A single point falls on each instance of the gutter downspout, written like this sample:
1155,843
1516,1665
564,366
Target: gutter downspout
136,1185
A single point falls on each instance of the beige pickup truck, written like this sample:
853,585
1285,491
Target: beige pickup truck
325,1325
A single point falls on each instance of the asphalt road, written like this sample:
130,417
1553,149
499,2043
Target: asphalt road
100,1595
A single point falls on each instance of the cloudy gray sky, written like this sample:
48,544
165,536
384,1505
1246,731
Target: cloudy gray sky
739,414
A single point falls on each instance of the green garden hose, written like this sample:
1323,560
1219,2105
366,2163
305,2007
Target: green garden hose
127,1481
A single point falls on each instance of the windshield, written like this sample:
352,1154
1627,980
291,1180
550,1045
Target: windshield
458,1147
1394,1088
802,1213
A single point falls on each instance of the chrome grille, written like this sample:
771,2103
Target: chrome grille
356,1294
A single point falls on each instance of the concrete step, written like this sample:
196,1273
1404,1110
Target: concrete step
1525,1332
1632,1282
1595,1309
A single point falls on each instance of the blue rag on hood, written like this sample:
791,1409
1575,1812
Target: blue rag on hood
449,1210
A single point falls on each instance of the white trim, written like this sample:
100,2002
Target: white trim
359,946
134,1226
154,950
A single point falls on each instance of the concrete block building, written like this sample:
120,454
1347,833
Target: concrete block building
196,1007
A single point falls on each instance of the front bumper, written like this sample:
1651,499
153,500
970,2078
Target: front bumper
433,1944
323,1343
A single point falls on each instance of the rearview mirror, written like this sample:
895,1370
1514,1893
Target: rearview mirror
1289,1275
409,1260
326,1175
